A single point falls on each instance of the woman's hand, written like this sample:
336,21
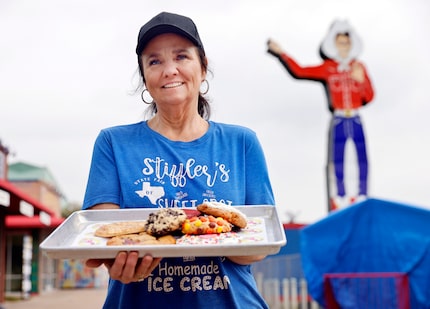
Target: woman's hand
127,266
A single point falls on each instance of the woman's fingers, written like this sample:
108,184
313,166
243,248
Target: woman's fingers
116,270
129,270
146,267
127,267
94,263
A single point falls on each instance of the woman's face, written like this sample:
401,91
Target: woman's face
172,68
343,45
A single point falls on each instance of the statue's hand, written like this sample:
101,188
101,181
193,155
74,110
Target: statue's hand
274,48
357,72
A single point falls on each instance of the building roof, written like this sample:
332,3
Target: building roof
21,171
12,199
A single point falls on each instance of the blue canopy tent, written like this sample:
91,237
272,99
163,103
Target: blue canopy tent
373,236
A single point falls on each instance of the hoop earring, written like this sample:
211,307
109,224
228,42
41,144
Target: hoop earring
207,87
142,96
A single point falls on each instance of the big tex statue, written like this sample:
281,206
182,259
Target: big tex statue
348,88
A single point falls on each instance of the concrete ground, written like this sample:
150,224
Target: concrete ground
61,299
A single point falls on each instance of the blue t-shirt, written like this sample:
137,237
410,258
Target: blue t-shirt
134,166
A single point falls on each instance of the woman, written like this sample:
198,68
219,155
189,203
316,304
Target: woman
177,158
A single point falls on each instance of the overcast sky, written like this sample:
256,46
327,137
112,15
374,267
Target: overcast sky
68,69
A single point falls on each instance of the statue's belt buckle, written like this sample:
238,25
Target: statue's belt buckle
348,113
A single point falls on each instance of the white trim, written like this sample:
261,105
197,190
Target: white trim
4,198
26,209
45,218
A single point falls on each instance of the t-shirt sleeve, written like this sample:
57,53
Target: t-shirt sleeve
103,181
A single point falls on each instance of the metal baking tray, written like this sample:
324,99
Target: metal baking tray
74,238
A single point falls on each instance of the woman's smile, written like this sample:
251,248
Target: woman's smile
173,85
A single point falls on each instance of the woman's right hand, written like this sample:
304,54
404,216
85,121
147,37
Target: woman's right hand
127,266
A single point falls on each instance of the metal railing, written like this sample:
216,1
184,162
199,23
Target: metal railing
281,281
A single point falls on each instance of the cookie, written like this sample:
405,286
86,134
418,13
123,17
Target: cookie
165,221
201,225
229,213
132,239
166,240
140,239
120,228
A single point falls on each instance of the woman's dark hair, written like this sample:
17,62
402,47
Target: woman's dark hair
203,107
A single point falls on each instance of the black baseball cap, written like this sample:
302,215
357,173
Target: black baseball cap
168,23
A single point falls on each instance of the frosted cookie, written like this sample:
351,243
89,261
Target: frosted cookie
89,241
229,213
205,225
165,221
120,228
209,239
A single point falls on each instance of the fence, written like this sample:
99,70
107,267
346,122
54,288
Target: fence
281,281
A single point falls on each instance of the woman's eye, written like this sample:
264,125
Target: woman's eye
154,61
181,57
